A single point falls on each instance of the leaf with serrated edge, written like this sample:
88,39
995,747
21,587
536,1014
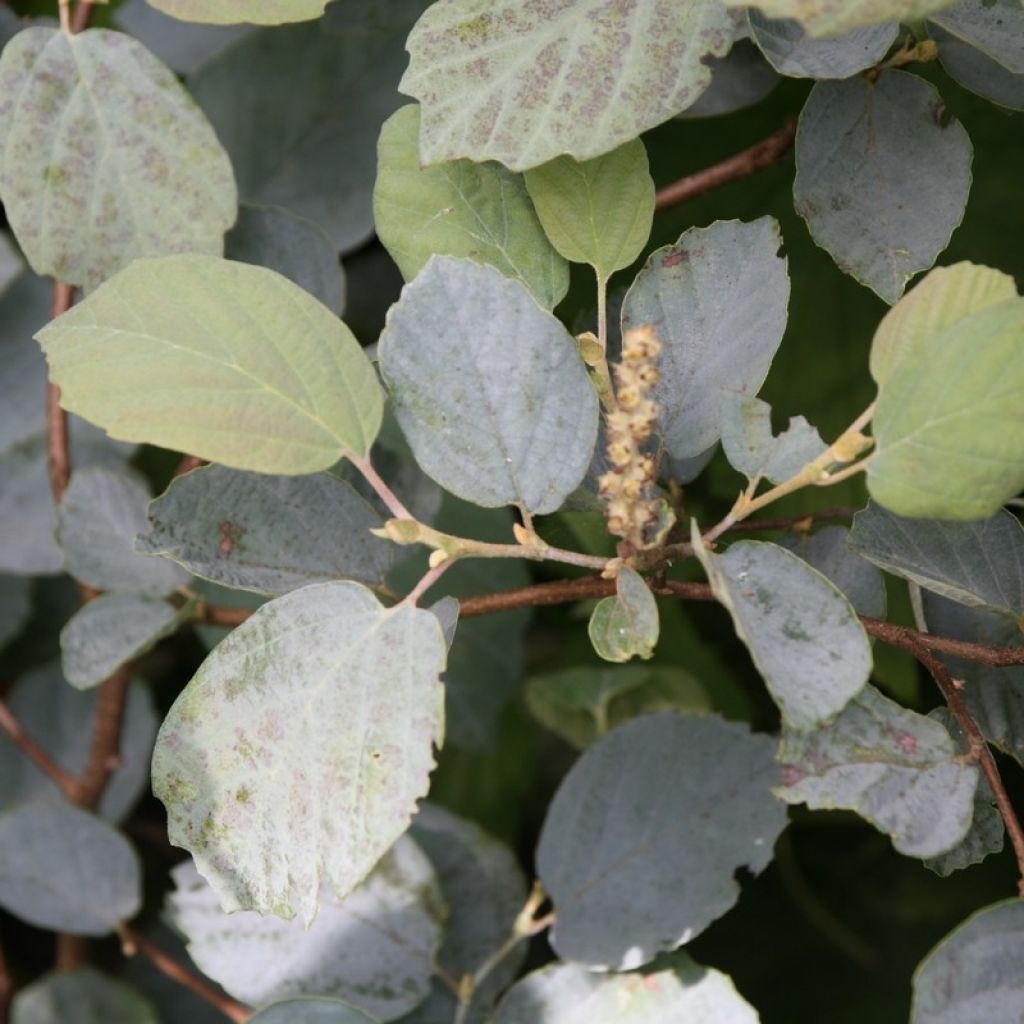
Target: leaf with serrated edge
975,975
673,990
830,17
67,870
943,296
625,626
801,631
626,883
459,208
897,769
231,12
84,996
502,81
270,534
938,454
599,211
882,178
717,301
225,361
300,748
374,948
488,387
104,157
978,563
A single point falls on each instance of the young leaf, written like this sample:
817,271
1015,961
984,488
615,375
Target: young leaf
717,300
297,753
978,72
582,704
67,870
882,176
938,455
978,563
102,511
485,890
105,157
61,719
374,948
500,81
995,27
944,296
310,147
459,208
897,769
673,989
625,626
270,534
222,360
229,12
316,1010
271,237
750,446
84,996
626,883
801,631
831,17
111,630
975,975
792,52
599,211
486,385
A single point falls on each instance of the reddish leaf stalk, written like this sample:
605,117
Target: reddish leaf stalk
36,753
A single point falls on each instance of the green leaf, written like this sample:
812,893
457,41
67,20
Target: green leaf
582,704
801,631
271,237
717,301
882,176
599,211
943,297
792,52
311,1011
831,551
897,769
459,208
978,72
299,750
626,883
64,869
105,157
949,424
752,448
102,511
831,17
61,720
978,563
374,948
975,975
474,435
485,890
266,533
84,996
310,147
625,626
995,27
15,606
522,85
987,829
229,12
111,630
229,362
674,989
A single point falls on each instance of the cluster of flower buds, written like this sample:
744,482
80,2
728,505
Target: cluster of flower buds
627,488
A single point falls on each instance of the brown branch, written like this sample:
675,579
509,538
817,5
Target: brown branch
214,615
798,523
104,754
82,16
762,154
979,748
187,464
166,964
36,753
58,447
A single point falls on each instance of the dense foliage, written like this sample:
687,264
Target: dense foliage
380,515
